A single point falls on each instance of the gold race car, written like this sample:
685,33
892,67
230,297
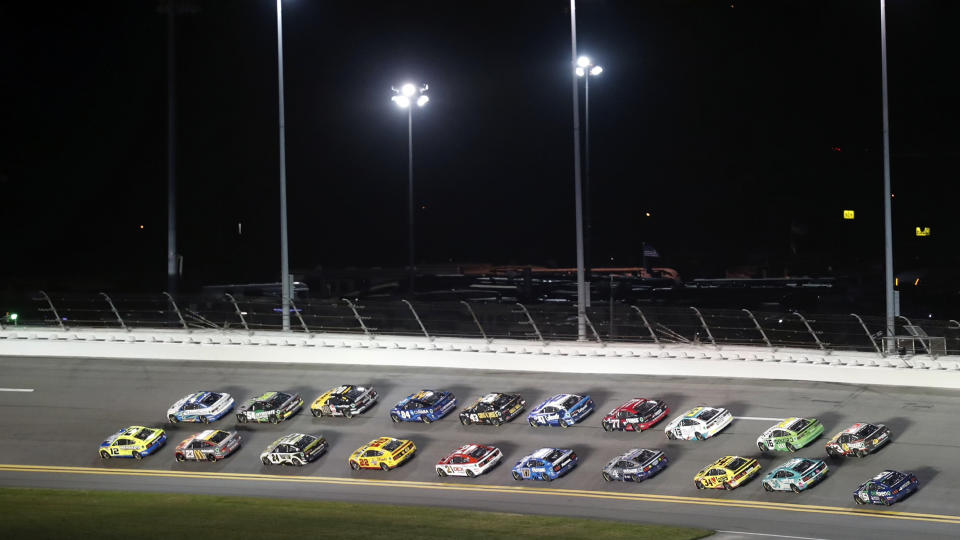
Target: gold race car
727,473
383,453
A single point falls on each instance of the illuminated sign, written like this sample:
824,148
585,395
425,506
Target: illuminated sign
848,214
923,231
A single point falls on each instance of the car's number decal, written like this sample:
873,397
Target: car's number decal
525,472
115,450
276,458
364,462
474,417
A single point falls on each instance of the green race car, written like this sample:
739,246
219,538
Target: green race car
790,435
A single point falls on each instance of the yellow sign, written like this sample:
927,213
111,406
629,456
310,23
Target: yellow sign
925,231
848,214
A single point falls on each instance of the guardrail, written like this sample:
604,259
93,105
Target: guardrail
543,323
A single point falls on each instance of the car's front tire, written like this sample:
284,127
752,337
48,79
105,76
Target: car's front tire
762,447
354,465
242,418
441,473
104,454
265,461
606,477
516,476
465,421
671,436
180,457
606,426
857,499
767,487
533,422
395,418
173,419
698,484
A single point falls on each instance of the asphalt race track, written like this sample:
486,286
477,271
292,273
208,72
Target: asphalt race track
76,403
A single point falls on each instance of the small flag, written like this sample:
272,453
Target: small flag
648,251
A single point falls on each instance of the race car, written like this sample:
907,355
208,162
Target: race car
132,442
469,460
698,423
294,449
726,473
797,474
858,440
273,407
790,435
494,408
203,407
545,464
209,445
562,410
635,466
637,415
424,406
344,400
384,453
886,488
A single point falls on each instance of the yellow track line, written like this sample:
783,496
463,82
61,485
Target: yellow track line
638,497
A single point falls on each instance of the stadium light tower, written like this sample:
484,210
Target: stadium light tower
586,69
405,97
284,259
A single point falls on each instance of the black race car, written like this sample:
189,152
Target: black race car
494,408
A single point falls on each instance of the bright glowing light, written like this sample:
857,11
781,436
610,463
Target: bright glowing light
580,72
422,100
141,227
596,70
402,101
648,214
13,316
408,90
583,61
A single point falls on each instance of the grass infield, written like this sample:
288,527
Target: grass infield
49,513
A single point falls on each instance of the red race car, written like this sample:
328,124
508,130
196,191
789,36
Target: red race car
637,414
469,460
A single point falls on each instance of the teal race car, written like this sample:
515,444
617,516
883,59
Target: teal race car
790,435
797,474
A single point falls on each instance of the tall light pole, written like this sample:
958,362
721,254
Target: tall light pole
284,261
887,218
405,97
581,289
586,69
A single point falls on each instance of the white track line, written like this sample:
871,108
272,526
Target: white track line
758,418
16,389
770,535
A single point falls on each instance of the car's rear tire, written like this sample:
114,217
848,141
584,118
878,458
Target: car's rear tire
861,453
205,419
762,447
426,419
564,425
886,501
274,419
794,488
384,466
606,477
699,436
791,448
498,422
516,476
441,473
470,474
211,457
727,486
547,479
137,455
265,461
348,413
767,487
354,465
298,462
173,419
395,418
104,454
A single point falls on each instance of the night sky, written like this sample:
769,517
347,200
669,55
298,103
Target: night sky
744,128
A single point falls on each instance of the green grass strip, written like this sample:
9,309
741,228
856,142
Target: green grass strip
49,513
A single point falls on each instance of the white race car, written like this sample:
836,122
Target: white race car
294,449
469,460
203,407
698,423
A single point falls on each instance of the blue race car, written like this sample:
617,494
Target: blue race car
886,488
797,474
562,410
424,406
545,464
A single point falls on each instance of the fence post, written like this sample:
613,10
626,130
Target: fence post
175,308
812,333
476,320
594,330
357,315
869,335
297,311
533,324
706,328
240,313
115,312
417,317
760,328
53,309
647,324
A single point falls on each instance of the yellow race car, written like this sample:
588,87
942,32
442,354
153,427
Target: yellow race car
726,473
132,442
383,453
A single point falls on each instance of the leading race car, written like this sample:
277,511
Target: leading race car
273,407
635,466
698,423
886,488
294,449
424,406
858,440
494,408
562,410
726,473
545,464
469,460
209,445
384,453
344,400
132,442
637,415
797,474
790,435
203,407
